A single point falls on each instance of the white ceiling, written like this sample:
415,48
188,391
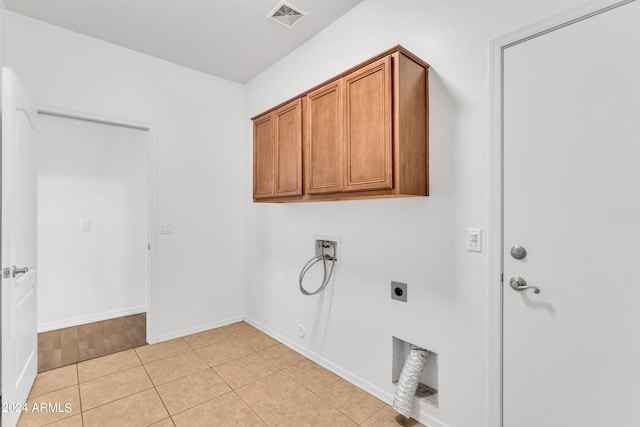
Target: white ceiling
231,39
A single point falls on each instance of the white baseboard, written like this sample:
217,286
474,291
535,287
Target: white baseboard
177,334
386,397
82,320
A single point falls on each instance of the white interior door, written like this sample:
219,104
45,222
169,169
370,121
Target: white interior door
572,200
19,291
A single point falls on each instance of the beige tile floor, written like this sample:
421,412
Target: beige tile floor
229,376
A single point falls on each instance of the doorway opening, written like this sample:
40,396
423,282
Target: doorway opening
95,226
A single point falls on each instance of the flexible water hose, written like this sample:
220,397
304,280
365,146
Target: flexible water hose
324,258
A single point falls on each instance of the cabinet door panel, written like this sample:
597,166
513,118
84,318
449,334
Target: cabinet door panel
368,132
289,150
263,158
324,140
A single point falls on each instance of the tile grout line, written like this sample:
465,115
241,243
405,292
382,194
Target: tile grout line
337,409
338,378
177,378
70,416
106,375
291,377
79,396
122,397
264,421
165,357
209,366
231,389
51,391
223,380
155,389
281,370
202,403
371,416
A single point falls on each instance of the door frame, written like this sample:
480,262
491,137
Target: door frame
496,183
152,187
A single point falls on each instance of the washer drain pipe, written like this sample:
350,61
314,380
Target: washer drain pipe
409,379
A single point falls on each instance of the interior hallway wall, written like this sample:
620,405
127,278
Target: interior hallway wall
200,124
420,241
94,173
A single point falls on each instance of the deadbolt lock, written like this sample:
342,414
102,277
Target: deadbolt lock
518,252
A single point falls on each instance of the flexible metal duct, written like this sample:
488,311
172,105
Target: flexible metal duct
409,379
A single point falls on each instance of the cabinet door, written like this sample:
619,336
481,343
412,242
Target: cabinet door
367,128
288,178
263,157
324,146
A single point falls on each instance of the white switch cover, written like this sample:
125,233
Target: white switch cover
167,228
474,240
85,225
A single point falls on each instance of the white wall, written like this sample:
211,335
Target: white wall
3,25
419,241
95,172
2,48
199,121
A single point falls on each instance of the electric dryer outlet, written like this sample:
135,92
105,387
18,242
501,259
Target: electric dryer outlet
399,291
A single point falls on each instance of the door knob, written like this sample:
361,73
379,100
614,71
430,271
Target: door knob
17,270
518,252
517,283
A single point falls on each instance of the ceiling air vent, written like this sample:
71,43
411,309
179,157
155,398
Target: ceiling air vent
286,14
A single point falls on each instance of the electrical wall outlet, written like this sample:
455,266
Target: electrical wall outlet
399,291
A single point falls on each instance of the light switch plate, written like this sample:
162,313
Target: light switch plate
167,228
85,225
474,240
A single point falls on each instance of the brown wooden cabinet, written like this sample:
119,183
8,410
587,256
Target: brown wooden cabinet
367,127
323,140
277,153
365,135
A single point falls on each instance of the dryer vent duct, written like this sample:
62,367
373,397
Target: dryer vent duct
409,379
286,14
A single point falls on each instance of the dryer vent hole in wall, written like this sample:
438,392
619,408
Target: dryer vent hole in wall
427,390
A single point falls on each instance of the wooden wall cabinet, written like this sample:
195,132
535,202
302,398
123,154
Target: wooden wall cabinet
364,135
323,140
277,153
